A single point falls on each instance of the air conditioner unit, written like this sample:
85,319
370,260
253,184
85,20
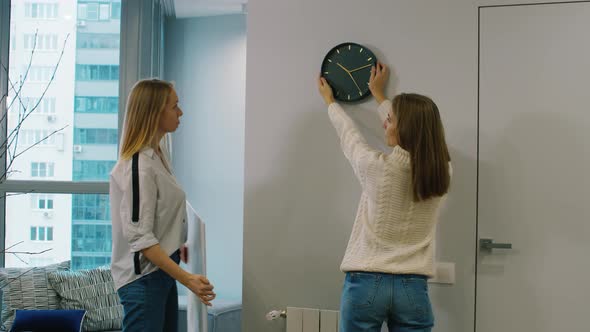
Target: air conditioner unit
81,23
48,214
51,118
77,148
59,141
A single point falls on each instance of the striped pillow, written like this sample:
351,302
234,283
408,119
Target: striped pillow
30,290
93,291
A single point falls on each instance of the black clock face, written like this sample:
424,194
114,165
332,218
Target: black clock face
347,68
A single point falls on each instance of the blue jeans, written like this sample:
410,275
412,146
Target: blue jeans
150,303
369,299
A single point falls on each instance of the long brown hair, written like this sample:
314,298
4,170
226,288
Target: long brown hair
145,104
420,132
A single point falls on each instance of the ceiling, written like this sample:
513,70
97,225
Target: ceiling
196,8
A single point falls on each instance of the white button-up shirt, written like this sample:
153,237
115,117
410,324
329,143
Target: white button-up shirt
162,214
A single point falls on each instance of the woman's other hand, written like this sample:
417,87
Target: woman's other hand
325,90
201,287
378,80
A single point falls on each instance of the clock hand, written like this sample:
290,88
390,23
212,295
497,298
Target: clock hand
341,66
349,74
369,65
357,86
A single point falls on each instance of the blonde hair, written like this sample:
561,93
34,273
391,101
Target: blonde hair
145,104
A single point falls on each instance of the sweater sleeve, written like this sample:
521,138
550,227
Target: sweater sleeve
366,161
384,109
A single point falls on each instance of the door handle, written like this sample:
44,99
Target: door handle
489,244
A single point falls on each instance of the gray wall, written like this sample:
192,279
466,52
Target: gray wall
206,57
300,194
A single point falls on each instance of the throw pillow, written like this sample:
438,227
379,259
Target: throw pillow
94,291
48,320
27,288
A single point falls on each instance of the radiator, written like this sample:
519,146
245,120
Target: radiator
311,320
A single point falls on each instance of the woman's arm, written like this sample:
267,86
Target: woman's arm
197,283
365,160
377,82
141,238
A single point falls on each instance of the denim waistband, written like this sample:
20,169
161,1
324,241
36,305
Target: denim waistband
413,276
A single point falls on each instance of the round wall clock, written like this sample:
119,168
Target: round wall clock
347,68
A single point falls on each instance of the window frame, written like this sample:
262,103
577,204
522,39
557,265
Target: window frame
47,230
140,21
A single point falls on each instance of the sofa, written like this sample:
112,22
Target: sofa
57,287
223,316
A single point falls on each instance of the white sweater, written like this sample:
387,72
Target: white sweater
392,233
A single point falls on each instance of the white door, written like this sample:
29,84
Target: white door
534,166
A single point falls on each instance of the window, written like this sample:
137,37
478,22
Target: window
95,136
73,225
41,10
42,201
97,72
85,238
39,73
44,42
82,11
91,231
43,106
41,233
116,10
28,137
92,11
97,40
54,10
104,12
96,104
99,11
91,238
91,208
42,169
92,170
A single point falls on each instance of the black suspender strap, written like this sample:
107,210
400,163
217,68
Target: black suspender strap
135,183
136,264
135,209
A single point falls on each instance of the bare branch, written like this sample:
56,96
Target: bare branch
20,259
14,245
43,139
15,155
13,136
18,194
26,72
27,252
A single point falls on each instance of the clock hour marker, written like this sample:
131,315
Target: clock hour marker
337,92
361,51
349,47
348,97
326,72
329,60
338,51
369,59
